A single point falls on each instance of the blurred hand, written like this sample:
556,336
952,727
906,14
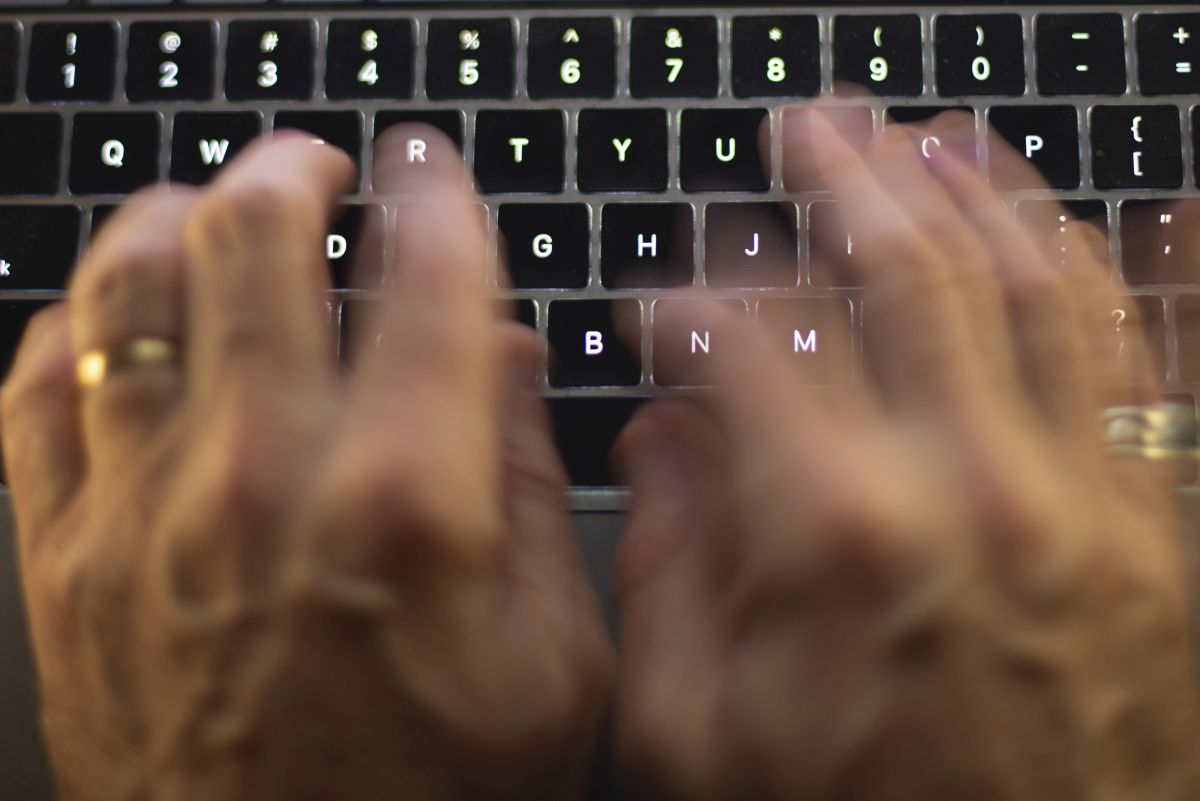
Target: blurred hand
933,583
252,578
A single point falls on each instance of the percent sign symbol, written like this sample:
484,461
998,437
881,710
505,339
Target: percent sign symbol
469,40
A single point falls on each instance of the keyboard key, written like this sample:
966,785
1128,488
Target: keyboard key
113,153
547,245
170,61
979,54
830,248
525,312
101,213
71,61
354,247
14,316
38,246
1140,321
1046,135
1159,244
471,58
750,245
520,151
1047,221
1136,147
370,59
269,60
10,40
29,151
674,57
880,53
448,122
202,143
776,56
586,348
719,151
1187,327
574,57
646,245
1168,54
1080,54
817,332
623,150
586,430
683,344
342,129
801,155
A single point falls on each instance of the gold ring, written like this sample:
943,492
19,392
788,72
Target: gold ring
95,366
1163,432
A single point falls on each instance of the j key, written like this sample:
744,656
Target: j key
585,430
684,345
38,245
1160,243
354,247
29,148
1136,147
818,334
719,151
14,316
203,143
370,59
646,245
979,54
471,58
623,150
1141,333
586,349
170,61
269,60
9,40
1050,220
342,129
881,53
1080,54
674,57
750,245
1046,135
1168,53
1187,326
572,57
547,245
113,153
520,151
448,122
71,61
777,56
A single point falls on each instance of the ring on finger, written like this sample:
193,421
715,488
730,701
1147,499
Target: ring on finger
97,365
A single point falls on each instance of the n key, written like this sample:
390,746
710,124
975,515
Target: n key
1136,147
72,61
203,143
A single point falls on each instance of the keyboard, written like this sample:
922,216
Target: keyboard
590,129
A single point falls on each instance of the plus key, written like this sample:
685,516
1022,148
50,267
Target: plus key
1168,53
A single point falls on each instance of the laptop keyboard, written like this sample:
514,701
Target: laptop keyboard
591,137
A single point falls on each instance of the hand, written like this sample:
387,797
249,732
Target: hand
253,578
930,584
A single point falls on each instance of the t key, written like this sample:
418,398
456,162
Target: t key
674,57
269,60
71,61
1168,53
572,57
113,153
170,61
979,54
202,143
881,53
520,151
1081,54
1136,147
471,58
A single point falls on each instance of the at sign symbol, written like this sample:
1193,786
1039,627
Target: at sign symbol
169,42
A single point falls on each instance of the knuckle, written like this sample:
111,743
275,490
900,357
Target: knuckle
141,262
233,214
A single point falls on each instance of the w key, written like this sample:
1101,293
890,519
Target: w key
203,143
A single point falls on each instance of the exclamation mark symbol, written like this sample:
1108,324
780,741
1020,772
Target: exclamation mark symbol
71,40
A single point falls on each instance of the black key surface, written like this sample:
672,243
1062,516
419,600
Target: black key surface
547,245
202,143
113,153
9,48
646,245
979,54
719,151
101,213
574,57
354,247
1168,54
879,52
1046,135
1187,327
776,56
1080,54
71,61
520,151
342,129
585,430
448,122
29,153
907,115
38,246
14,316
623,150
269,60
1048,221
750,245
1158,241
684,345
830,247
674,57
818,334
586,350
1136,147
171,61
471,58
525,312
370,59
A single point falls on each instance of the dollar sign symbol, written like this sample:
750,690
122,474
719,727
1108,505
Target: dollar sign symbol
370,40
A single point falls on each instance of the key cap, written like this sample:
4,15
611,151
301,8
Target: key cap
370,59
1141,318
471,58
979,54
38,246
1168,54
1196,140
830,248
801,154
525,312
750,245
113,153
1047,221
71,61
646,245
14,316
817,332
203,143
10,41
342,129
586,349
547,244
776,56
1046,135
682,355
354,247
29,148
623,150
719,151
1080,54
945,126
448,122
880,52
1187,328
170,61
1136,147
673,57
1160,241
101,213
269,60
585,430
573,57
520,151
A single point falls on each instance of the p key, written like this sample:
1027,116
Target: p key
572,58
1136,147
203,143
1048,136
674,57
880,53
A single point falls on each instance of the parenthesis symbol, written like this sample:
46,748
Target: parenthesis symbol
979,36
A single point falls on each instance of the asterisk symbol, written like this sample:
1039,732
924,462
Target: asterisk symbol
776,34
